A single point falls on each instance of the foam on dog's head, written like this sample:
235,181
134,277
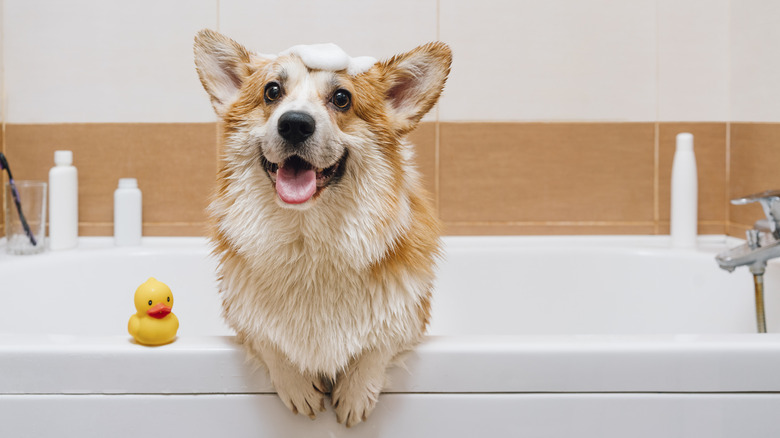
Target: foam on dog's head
330,57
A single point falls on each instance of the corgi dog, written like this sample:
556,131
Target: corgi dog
326,240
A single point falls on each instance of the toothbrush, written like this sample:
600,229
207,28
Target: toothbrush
17,200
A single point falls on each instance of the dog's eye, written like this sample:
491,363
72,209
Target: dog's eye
342,99
272,92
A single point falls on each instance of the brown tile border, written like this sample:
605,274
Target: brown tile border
542,172
755,167
487,178
174,163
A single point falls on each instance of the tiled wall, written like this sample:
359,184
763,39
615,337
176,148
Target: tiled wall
559,116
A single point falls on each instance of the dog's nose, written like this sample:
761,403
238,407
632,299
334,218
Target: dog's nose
295,126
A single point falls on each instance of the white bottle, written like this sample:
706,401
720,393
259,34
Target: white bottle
127,213
685,194
63,202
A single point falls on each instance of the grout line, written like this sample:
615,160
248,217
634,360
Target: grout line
438,20
729,116
656,178
3,108
437,134
552,223
173,223
657,62
219,19
436,165
657,129
727,201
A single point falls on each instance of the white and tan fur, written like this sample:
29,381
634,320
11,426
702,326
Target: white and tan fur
327,292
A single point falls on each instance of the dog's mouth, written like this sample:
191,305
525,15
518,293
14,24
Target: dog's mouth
297,181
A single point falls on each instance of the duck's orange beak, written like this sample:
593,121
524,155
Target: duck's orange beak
159,311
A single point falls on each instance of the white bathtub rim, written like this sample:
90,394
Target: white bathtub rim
705,243
462,364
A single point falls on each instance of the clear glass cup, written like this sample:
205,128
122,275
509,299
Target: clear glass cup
32,195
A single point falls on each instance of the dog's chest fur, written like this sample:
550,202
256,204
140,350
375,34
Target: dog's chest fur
315,284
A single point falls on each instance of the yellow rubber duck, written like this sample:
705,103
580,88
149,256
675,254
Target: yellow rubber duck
153,322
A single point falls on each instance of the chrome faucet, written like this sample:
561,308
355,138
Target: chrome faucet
763,244
763,241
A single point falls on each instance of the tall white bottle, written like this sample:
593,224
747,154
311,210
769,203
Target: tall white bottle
127,213
63,202
685,194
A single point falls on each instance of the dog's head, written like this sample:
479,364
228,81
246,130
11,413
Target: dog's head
311,116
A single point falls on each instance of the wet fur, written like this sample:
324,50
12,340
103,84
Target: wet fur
326,294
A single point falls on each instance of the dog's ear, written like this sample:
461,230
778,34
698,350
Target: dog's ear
223,65
415,81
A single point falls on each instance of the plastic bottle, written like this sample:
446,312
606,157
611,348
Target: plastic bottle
685,194
63,202
127,213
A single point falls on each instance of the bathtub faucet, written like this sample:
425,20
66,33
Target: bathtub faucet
763,244
763,241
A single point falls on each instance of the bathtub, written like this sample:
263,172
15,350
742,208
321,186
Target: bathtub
530,336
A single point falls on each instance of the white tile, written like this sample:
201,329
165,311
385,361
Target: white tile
755,63
693,60
104,61
550,60
378,29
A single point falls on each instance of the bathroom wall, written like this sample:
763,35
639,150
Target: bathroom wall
559,116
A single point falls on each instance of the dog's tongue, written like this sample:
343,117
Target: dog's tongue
295,185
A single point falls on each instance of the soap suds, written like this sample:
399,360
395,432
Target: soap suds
330,57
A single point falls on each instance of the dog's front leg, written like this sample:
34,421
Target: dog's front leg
301,392
357,389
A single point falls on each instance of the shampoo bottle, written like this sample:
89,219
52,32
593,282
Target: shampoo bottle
63,202
127,213
685,191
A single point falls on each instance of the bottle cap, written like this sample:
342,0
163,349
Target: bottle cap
685,141
63,158
128,183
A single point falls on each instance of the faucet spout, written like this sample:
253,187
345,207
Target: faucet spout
745,255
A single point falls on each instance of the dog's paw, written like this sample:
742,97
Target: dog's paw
302,394
354,396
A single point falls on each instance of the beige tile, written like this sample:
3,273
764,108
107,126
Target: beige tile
738,230
559,60
754,167
546,172
174,163
710,149
693,60
176,229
